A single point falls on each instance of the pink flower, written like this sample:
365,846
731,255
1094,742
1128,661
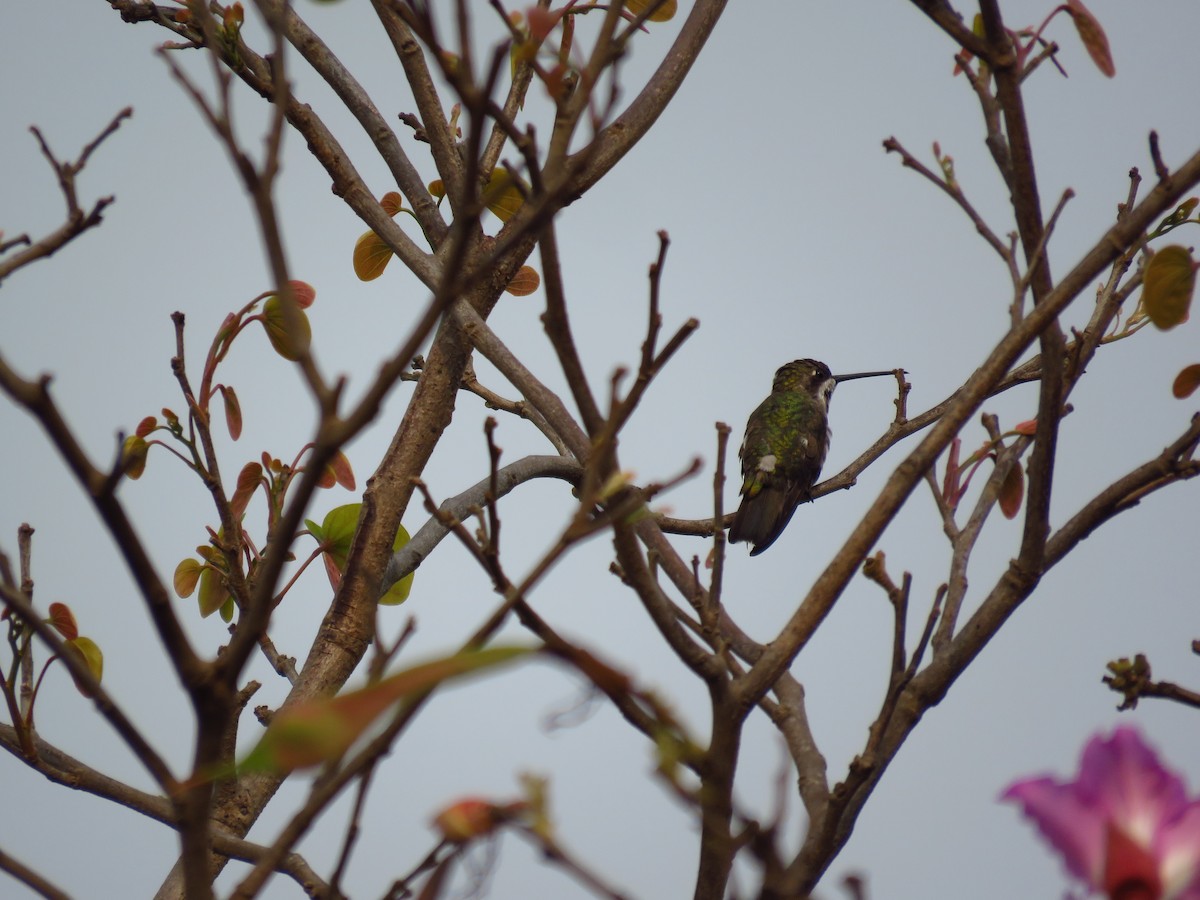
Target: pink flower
1124,826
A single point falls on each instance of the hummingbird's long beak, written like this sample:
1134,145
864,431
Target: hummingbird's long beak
840,378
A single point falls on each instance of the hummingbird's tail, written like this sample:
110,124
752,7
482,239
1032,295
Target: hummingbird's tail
761,518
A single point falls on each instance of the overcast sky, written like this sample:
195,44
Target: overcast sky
793,235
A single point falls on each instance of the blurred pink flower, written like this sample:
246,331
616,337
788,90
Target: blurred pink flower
1125,825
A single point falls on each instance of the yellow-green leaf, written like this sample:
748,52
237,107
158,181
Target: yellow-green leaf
213,593
371,256
1186,381
1168,285
1178,217
288,330
664,13
187,573
87,652
133,456
318,731
501,195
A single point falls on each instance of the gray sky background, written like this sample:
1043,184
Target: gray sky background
793,234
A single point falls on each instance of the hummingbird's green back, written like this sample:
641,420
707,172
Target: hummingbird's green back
787,438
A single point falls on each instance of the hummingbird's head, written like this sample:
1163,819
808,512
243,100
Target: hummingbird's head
806,376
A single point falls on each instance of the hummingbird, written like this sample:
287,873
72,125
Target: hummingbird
787,438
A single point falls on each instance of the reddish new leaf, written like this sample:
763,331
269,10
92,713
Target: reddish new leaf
391,202
1093,37
303,293
233,411
1186,381
248,481
326,479
343,474
1012,492
525,282
1027,428
63,621
467,819
146,426
950,482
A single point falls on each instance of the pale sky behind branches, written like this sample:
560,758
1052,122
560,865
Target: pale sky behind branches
793,234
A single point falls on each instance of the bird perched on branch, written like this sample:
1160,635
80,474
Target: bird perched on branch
786,440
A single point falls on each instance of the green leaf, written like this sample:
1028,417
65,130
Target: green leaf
318,731
187,573
1168,285
290,335
336,534
399,591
